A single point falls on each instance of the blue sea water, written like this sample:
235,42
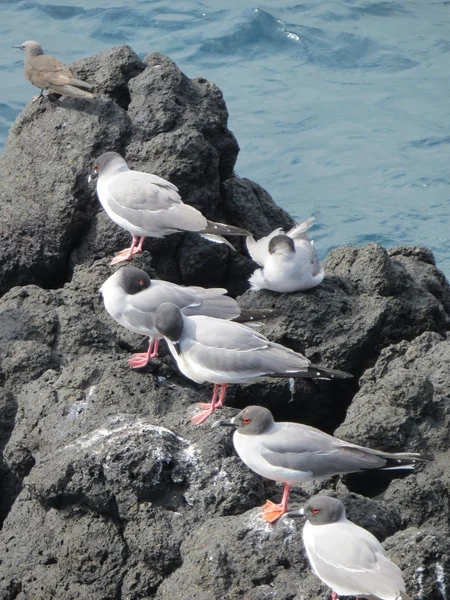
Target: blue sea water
341,107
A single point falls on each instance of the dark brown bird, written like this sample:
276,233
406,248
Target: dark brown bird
47,73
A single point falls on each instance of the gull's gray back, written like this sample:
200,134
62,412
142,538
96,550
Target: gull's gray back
152,204
232,348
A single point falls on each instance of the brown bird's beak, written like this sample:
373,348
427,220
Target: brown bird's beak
20,47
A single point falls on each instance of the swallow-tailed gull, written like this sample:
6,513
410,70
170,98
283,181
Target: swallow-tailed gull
147,205
289,261
346,557
47,73
132,298
224,352
294,453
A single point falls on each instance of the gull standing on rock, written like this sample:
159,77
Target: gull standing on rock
132,298
147,205
225,352
47,73
346,557
293,453
289,261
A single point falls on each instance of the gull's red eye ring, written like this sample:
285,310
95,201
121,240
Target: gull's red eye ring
96,168
246,421
315,511
142,282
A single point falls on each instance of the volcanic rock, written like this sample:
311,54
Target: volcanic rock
108,491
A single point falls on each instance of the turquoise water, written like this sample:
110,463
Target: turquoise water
341,108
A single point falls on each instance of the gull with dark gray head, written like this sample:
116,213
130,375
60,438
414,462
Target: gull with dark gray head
47,73
224,352
289,261
293,453
346,557
148,205
132,298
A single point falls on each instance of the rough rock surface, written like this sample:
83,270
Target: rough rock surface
108,492
163,123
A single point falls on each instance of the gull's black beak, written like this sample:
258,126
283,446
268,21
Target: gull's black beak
224,422
293,513
93,175
176,345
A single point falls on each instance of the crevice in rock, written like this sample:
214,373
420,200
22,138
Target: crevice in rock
15,589
121,95
372,483
166,493
55,280
11,485
11,488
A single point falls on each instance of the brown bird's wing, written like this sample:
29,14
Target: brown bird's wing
48,70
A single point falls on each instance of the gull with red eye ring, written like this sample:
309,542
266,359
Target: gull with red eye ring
224,352
346,557
293,453
132,299
148,205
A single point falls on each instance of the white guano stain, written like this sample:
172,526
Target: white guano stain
440,580
123,429
291,388
419,572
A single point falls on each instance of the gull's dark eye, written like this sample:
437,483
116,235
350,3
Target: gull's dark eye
246,421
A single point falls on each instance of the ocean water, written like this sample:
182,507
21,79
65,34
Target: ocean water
341,108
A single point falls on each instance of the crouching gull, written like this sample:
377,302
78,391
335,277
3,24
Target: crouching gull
289,261
224,352
132,298
47,73
346,557
148,205
294,453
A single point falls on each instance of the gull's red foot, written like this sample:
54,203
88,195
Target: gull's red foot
272,512
201,417
139,360
125,255
204,405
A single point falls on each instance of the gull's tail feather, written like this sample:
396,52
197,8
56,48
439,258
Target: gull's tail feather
217,239
315,372
324,373
301,228
257,314
223,229
403,460
213,304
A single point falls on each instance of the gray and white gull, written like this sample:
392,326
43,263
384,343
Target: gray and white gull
148,205
224,352
289,260
293,453
346,557
132,298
